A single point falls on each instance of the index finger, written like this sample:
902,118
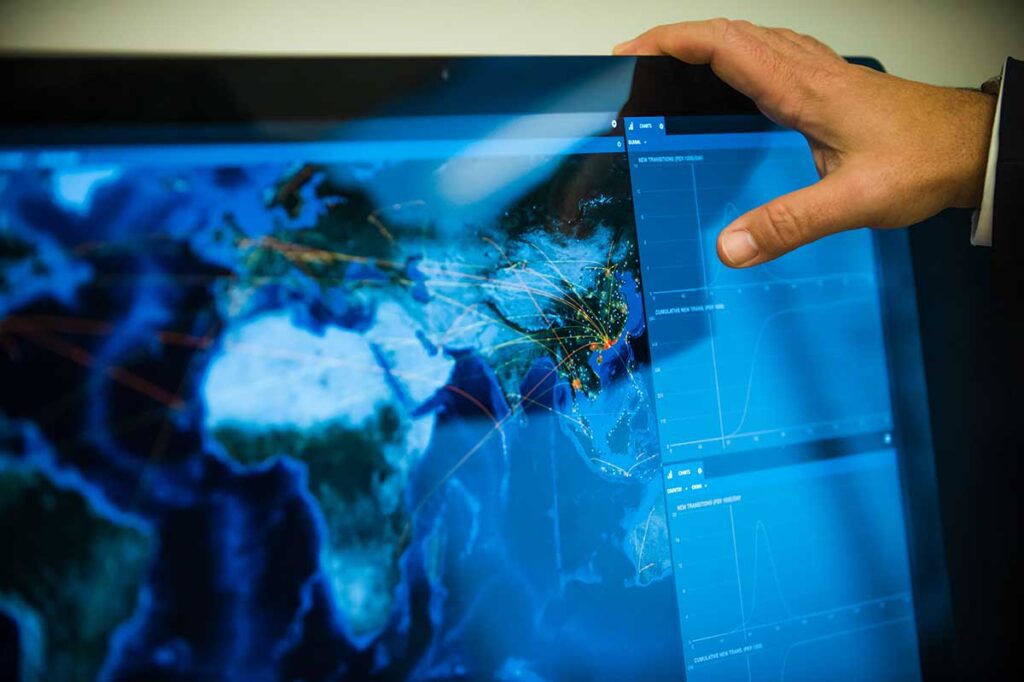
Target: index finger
734,50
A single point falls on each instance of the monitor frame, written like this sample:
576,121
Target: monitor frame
56,100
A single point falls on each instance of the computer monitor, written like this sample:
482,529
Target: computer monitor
427,369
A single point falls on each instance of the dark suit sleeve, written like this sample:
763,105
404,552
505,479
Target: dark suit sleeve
1008,200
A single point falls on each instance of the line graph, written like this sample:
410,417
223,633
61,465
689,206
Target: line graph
786,352
771,385
781,573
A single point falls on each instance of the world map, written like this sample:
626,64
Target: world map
328,421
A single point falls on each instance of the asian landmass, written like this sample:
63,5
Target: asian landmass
375,420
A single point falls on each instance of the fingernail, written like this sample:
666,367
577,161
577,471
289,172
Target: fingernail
622,47
739,247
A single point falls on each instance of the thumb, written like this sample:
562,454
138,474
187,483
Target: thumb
830,205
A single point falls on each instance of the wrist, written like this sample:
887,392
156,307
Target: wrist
973,127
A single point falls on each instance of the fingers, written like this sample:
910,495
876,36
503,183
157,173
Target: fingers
747,57
833,204
694,39
699,36
781,70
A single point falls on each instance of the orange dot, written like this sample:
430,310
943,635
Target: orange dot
577,384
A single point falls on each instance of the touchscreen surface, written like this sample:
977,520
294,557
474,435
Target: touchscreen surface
441,398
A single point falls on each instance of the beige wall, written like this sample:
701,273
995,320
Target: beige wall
941,41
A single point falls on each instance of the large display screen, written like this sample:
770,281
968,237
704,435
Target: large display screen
462,397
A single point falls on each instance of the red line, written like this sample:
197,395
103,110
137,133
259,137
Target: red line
472,399
118,374
78,325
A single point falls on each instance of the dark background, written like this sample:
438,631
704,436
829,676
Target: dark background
971,336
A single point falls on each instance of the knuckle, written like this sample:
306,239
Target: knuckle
807,86
783,227
740,34
722,28
789,35
821,48
787,101
793,104
810,41
661,35
802,39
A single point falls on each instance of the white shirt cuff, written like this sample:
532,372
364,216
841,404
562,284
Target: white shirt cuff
981,225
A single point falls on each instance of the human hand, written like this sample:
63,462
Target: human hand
890,152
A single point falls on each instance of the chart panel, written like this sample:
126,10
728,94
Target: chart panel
794,572
759,357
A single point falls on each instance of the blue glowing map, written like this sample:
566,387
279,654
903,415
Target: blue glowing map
317,422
